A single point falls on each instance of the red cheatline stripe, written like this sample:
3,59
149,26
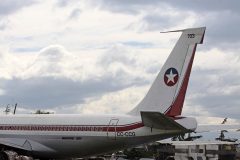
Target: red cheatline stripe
93,128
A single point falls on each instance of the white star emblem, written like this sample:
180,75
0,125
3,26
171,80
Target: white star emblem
171,77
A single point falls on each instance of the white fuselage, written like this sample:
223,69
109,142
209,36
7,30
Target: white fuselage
60,136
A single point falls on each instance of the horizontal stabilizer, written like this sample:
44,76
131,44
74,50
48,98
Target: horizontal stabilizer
160,121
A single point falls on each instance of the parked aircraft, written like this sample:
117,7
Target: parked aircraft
156,117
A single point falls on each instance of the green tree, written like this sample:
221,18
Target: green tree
42,112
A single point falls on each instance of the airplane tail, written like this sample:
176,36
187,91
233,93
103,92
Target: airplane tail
167,92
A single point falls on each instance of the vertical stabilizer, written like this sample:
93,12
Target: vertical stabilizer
167,92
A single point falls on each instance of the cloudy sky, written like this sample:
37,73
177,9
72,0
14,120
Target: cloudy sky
88,56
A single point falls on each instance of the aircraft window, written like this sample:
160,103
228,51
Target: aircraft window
67,138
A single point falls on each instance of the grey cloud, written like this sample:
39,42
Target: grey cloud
202,6
126,6
220,105
222,29
209,93
65,3
3,24
10,6
155,21
25,50
138,44
219,16
62,3
75,13
52,54
116,53
49,92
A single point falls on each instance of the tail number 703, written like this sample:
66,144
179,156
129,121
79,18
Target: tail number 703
191,35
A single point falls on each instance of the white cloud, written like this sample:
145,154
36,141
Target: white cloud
119,102
56,61
9,64
216,59
56,77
